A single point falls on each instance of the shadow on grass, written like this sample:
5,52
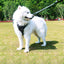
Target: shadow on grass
50,45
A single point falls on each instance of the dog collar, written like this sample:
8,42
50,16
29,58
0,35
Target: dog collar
21,28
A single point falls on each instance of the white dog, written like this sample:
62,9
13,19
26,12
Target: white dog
26,23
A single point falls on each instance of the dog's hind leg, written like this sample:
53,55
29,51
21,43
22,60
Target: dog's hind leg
37,37
38,40
44,41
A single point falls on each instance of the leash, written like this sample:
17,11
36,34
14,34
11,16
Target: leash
48,6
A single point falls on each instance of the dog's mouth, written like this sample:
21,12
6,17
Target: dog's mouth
28,17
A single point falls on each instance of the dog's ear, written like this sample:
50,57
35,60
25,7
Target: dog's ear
19,7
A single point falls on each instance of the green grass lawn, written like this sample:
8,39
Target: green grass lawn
53,53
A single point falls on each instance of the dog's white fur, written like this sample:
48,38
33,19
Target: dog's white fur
36,25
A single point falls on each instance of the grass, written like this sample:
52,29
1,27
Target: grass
53,53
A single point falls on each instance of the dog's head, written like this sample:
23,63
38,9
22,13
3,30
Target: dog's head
26,14
23,13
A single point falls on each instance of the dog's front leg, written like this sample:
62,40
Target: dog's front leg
27,38
20,42
19,35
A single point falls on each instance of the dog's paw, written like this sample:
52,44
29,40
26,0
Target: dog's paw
37,42
19,48
43,45
26,51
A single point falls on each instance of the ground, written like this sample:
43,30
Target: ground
53,53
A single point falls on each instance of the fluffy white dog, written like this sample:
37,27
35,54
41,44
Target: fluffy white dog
26,23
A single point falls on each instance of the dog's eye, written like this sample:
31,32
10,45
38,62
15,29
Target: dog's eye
27,12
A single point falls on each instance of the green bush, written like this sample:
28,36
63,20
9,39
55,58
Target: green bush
9,8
